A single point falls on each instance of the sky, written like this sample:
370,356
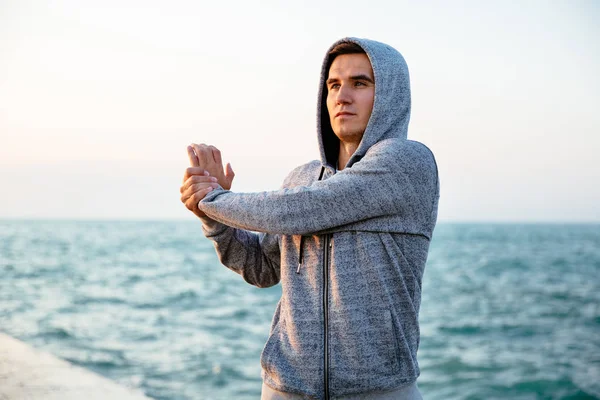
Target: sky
99,99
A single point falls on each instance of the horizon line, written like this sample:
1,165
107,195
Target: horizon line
181,219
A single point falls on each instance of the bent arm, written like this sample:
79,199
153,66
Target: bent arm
390,179
256,257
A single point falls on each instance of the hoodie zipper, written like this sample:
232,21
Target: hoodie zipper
326,251
326,315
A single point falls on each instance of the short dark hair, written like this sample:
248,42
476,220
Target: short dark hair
343,48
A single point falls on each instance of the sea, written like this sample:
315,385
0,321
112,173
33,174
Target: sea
509,311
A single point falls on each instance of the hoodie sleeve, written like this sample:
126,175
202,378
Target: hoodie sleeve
394,177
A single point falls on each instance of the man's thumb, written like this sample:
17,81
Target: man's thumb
229,174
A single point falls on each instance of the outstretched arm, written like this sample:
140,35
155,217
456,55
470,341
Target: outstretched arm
393,178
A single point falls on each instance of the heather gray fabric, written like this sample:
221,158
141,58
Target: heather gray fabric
410,392
361,294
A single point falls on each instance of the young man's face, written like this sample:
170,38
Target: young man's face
350,95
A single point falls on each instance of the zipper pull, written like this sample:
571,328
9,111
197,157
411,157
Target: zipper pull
300,254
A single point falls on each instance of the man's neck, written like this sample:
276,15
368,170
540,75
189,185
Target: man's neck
346,151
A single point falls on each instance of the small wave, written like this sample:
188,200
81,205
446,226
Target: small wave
82,301
149,337
148,306
182,297
95,365
462,330
133,279
546,388
57,333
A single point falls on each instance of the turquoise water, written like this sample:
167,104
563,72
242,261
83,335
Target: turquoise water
509,311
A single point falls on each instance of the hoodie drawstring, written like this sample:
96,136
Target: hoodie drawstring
300,253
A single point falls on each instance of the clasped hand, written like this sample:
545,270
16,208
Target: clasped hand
205,174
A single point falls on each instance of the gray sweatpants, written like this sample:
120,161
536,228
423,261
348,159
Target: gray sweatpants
410,392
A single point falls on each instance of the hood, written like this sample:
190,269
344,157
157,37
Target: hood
391,106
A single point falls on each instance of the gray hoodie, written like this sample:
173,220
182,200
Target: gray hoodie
349,249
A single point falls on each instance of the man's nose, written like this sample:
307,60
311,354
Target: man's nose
344,95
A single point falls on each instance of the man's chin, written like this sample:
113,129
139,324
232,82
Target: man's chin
348,135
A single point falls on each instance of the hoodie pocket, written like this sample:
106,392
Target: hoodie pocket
265,358
363,352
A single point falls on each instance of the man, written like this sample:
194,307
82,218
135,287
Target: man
347,236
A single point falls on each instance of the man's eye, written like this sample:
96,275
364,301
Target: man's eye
334,86
359,84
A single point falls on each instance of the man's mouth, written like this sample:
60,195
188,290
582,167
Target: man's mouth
343,113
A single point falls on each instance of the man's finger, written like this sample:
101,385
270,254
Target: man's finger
192,202
197,195
197,179
200,194
216,153
195,183
191,171
186,185
204,154
191,205
192,156
198,187
184,198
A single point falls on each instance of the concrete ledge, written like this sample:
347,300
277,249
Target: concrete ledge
30,374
